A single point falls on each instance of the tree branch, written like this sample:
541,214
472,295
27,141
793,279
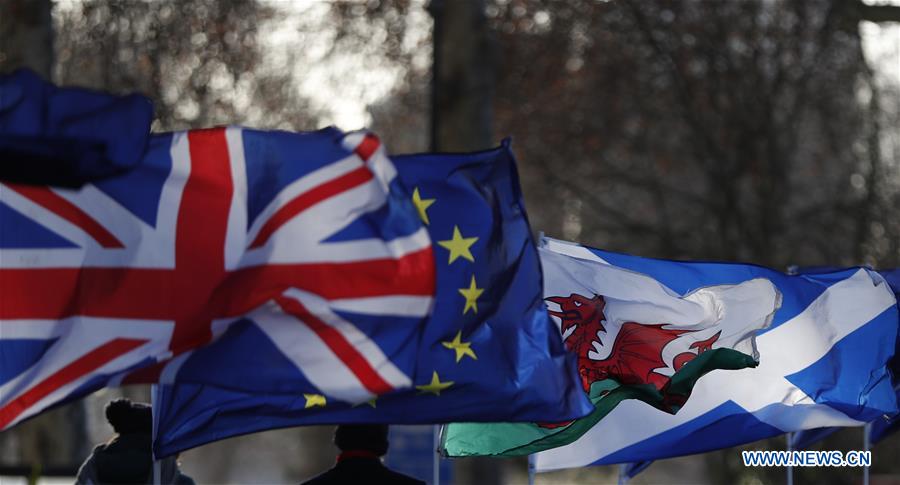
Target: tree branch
878,13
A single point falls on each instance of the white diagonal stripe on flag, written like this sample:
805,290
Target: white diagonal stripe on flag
121,362
322,220
76,335
359,340
109,213
306,350
301,186
47,218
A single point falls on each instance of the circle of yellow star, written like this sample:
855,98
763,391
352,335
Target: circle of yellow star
435,386
422,205
459,246
471,295
313,400
462,348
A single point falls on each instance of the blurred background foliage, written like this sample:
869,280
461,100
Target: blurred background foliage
742,130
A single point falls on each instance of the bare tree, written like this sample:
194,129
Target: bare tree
716,130
26,36
200,61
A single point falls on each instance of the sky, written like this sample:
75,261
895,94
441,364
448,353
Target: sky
343,84
881,43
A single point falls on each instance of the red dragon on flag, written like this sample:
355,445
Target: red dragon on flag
636,351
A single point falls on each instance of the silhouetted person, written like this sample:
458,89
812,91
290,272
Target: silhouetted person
362,446
127,456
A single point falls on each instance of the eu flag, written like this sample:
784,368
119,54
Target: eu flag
489,352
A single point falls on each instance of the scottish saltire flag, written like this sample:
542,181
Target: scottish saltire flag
822,363
490,351
881,426
308,235
634,338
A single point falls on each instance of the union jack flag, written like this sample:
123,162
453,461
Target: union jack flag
309,236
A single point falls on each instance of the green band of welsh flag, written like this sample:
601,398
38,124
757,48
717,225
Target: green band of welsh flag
634,339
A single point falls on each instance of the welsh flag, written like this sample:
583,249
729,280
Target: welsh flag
635,338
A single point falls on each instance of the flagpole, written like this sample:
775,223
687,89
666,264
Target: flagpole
791,270
531,471
154,402
436,461
790,469
623,475
867,429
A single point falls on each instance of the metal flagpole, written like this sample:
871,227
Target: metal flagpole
623,476
436,461
790,469
157,471
531,471
867,429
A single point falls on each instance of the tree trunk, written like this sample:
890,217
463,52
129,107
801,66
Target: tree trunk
463,76
26,36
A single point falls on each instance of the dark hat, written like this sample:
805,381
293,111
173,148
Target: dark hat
369,437
128,417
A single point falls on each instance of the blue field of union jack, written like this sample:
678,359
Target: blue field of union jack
307,236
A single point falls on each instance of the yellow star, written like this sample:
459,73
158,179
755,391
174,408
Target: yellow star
435,386
313,400
471,295
422,205
370,402
462,348
459,246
